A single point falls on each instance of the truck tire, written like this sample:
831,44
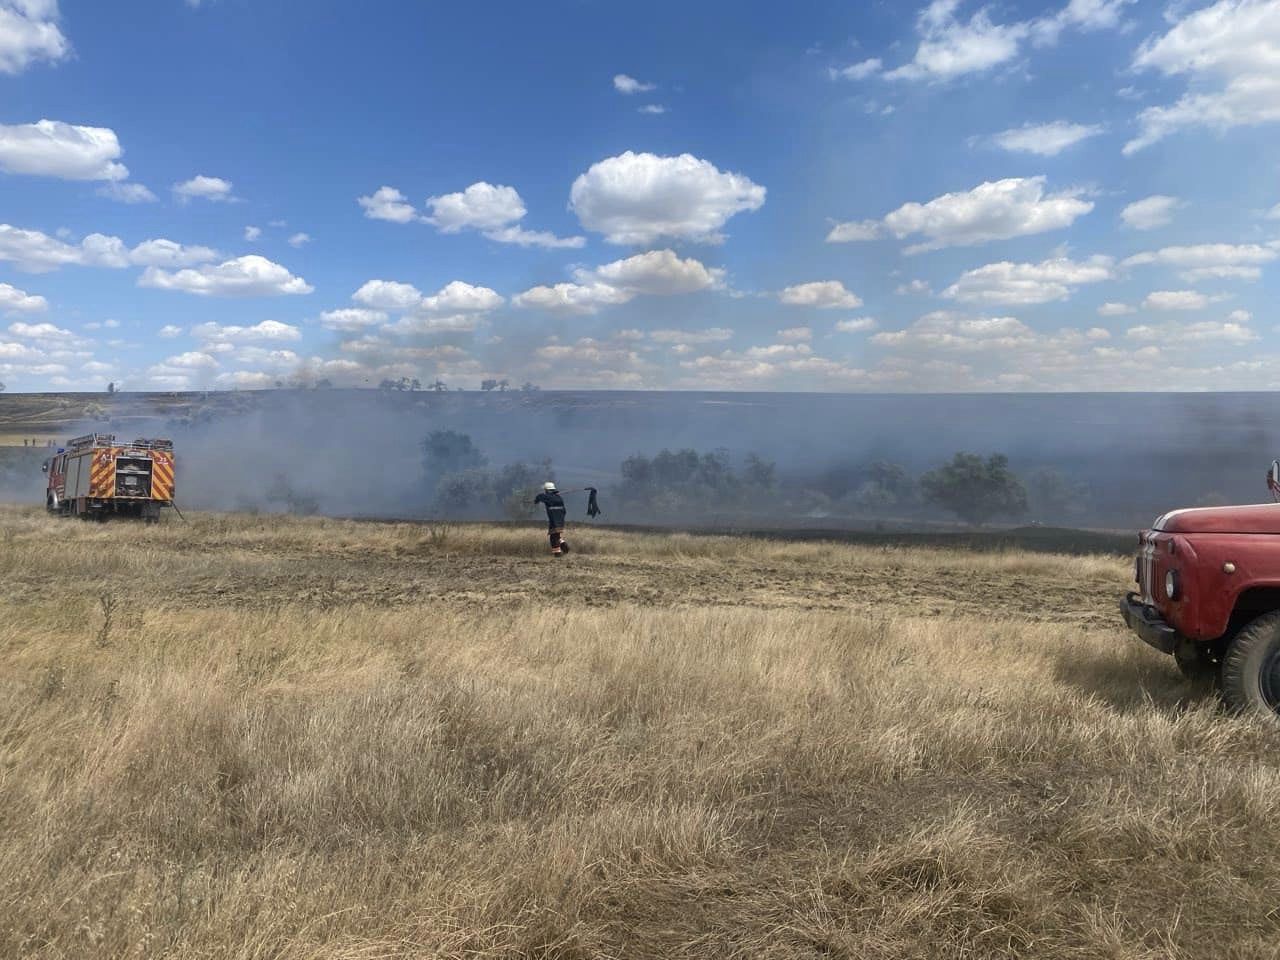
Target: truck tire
1251,667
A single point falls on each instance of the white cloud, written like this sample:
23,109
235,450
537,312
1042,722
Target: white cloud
252,233
629,85
855,231
494,210
917,287
29,34
1233,331
388,203
204,188
299,240
1148,214
951,47
37,252
51,148
1210,260
795,335
45,332
482,206
1045,139
192,360
943,330
534,238
1273,213
826,294
857,325
1113,309
13,300
459,297
857,71
169,331
652,109
388,295
126,192
1228,51
1175,300
637,198
352,319
656,273
167,253
249,276
268,331
1028,283
1016,207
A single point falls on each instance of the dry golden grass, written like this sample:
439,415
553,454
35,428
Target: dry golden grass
318,739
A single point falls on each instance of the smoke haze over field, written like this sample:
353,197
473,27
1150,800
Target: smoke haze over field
358,453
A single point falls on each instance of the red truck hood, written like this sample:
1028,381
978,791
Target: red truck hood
1254,518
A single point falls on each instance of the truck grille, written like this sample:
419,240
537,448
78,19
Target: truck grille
1147,571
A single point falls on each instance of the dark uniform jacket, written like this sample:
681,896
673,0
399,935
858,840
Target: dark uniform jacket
555,508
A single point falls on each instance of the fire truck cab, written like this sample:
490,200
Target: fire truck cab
95,476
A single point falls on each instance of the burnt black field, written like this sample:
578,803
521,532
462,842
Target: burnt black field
357,452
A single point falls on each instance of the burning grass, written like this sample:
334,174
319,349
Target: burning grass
739,749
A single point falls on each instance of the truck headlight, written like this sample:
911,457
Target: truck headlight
1171,584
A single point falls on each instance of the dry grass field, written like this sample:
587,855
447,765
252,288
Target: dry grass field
259,737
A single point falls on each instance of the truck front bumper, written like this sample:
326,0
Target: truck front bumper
1143,621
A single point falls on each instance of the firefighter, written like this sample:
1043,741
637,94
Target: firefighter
551,499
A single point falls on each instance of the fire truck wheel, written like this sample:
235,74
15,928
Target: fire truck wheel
1251,668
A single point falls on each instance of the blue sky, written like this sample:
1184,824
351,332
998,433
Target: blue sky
1081,195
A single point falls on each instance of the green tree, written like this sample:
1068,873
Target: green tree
975,489
447,451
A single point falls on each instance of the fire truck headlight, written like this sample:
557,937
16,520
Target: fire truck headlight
1171,584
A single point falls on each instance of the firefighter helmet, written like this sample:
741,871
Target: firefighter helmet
549,487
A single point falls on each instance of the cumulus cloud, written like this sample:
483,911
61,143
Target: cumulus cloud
299,240
1227,51
388,203
638,198
1114,309
1045,139
13,300
495,210
388,295
999,210
169,331
36,252
1210,260
629,85
29,33
656,273
1175,300
855,231
711,335
795,335
1150,213
167,253
1018,284
459,297
826,294
51,148
1233,330
204,188
950,331
268,331
248,276
46,332
951,47
252,233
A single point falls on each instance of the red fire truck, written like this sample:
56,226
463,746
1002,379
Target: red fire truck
96,475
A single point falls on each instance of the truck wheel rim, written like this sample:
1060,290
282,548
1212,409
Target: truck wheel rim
1270,680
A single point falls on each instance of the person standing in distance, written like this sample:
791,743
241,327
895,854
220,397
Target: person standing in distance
551,499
